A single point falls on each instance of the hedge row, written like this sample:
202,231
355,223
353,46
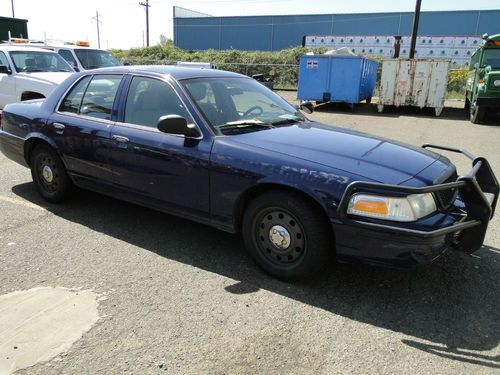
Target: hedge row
280,66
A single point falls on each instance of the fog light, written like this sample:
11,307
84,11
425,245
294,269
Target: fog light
497,82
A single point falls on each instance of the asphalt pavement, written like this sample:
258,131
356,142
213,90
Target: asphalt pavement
182,298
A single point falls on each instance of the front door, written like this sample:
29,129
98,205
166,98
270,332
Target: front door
7,83
163,170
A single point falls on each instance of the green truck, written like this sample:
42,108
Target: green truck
483,81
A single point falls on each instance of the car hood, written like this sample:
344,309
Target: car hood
374,158
54,78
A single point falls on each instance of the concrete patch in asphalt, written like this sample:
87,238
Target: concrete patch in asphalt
38,324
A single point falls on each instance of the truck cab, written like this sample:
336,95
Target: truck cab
29,73
483,81
82,57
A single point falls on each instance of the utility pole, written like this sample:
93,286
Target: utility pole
12,3
96,18
414,32
147,6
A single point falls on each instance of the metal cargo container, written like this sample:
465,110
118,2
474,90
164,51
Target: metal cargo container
336,78
418,83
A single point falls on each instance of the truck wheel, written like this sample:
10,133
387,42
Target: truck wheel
477,113
368,100
49,175
286,235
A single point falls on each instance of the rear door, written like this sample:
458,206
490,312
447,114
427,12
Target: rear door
81,128
163,170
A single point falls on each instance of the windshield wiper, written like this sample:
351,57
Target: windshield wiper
244,124
286,121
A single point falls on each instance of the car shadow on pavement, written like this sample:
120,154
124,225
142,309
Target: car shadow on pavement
363,109
449,308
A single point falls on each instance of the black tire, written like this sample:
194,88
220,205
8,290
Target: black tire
307,247
467,104
369,100
49,175
477,113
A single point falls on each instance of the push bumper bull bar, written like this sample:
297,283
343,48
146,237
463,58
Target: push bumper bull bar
478,190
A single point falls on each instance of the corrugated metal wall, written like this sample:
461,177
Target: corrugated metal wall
272,33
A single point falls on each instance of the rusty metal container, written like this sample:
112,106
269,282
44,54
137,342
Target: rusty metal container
410,82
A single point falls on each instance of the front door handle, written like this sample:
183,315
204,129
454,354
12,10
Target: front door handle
58,127
120,139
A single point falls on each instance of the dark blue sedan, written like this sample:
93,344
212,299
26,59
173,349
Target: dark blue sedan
222,149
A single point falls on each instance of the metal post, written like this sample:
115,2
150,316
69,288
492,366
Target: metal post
12,4
98,34
414,32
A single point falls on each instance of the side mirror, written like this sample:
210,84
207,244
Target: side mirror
75,67
175,124
476,65
307,107
5,70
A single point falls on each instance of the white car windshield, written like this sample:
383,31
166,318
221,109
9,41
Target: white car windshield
95,58
234,105
39,61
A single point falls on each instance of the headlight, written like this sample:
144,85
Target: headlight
496,82
409,208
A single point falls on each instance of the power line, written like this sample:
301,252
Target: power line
147,6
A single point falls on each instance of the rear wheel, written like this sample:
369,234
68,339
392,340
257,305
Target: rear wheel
287,235
477,113
49,174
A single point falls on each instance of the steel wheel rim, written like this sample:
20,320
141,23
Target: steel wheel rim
285,251
48,174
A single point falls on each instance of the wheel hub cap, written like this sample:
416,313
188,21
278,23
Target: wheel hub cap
47,174
279,237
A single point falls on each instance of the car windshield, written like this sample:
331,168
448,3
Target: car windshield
95,58
491,57
235,105
39,61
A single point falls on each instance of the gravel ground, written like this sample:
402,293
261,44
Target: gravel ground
183,298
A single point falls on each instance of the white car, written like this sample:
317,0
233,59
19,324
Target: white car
81,57
29,73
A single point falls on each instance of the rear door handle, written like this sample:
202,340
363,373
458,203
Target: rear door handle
58,127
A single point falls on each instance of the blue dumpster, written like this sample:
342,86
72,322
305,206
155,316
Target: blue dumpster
336,78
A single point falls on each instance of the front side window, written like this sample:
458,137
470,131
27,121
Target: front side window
95,58
39,61
240,104
68,56
149,99
3,60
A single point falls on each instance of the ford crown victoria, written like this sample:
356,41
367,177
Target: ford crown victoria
221,149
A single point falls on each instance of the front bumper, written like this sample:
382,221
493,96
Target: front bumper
489,102
391,243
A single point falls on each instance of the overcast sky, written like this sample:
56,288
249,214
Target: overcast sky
123,21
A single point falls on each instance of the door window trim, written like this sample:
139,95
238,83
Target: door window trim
125,93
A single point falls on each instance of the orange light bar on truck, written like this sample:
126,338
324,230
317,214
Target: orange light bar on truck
82,44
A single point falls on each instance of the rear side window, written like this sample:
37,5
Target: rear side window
74,98
99,96
68,56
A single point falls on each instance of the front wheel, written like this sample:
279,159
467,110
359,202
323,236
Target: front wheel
49,175
477,113
287,235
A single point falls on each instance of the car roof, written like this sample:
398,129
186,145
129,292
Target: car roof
8,47
176,72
